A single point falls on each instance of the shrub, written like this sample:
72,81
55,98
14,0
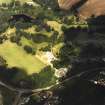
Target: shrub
15,39
28,49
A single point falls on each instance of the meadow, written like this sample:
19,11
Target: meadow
17,57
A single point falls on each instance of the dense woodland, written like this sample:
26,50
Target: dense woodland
49,56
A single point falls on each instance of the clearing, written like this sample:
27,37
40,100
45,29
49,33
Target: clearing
17,57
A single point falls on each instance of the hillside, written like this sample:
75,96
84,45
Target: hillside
49,56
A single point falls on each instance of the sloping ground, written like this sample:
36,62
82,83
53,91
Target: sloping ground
17,57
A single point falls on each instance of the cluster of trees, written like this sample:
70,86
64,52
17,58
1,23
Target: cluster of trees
47,3
29,49
17,38
2,61
46,78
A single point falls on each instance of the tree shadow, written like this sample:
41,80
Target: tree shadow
90,59
81,92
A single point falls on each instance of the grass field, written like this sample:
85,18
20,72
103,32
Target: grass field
17,57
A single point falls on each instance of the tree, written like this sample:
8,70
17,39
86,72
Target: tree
28,49
15,39
2,61
4,4
47,3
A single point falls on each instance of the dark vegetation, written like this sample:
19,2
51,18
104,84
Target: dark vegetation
29,50
90,59
97,24
23,17
10,76
84,92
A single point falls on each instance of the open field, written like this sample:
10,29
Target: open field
17,57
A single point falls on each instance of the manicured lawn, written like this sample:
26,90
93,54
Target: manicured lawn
17,57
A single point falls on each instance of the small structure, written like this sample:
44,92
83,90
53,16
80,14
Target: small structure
61,72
